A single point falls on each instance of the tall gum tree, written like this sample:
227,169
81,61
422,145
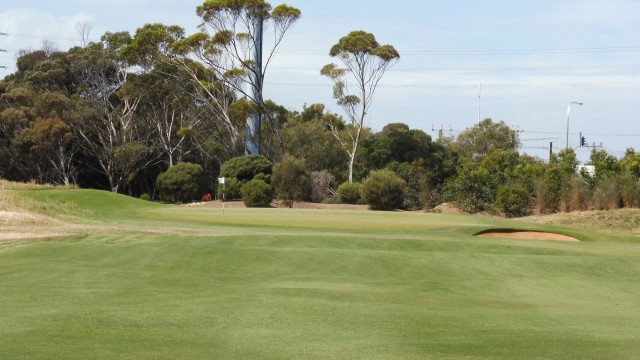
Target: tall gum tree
225,46
107,128
365,62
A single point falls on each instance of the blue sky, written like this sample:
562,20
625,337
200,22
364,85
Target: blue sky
532,57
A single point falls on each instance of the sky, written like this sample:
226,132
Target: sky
532,59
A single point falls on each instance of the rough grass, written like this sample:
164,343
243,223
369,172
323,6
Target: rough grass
167,282
620,221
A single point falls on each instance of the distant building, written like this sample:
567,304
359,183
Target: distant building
589,169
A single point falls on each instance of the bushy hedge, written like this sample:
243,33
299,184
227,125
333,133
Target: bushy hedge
514,200
291,180
257,193
383,190
349,193
239,170
179,183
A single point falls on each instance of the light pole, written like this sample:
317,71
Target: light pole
569,112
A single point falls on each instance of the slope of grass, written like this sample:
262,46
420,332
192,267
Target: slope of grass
174,282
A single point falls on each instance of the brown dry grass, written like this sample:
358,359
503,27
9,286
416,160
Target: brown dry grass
621,221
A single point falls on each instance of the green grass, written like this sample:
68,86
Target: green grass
167,282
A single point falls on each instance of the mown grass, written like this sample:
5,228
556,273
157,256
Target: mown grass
174,282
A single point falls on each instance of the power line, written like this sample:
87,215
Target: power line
501,85
480,69
35,36
602,49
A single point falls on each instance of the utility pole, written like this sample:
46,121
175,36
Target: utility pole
550,150
252,135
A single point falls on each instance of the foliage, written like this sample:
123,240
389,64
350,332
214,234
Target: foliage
477,142
323,186
291,180
472,190
46,144
349,192
397,143
606,164
179,183
514,200
245,168
239,170
257,193
606,195
383,190
312,140
224,46
231,189
365,62
476,185
417,184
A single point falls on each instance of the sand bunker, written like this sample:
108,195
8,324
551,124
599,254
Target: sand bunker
524,235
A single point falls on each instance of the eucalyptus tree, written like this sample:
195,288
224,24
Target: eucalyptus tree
46,146
365,62
168,112
230,33
478,141
106,124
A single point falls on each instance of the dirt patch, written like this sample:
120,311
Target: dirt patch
524,235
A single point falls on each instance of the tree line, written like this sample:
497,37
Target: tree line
160,114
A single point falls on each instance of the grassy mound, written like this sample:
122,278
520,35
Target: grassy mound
153,281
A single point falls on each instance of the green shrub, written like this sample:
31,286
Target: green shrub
472,191
291,180
245,168
349,193
383,190
514,200
179,183
239,170
331,201
416,182
257,193
145,197
230,189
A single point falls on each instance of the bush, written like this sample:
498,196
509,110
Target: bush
145,197
257,193
349,193
416,182
291,179
383,190
230,190
514,200
179,183
239,170
606,195
472,191
245,168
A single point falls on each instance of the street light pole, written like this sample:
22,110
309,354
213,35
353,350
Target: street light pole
569,112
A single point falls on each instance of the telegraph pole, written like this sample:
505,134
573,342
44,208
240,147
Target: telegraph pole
252,135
